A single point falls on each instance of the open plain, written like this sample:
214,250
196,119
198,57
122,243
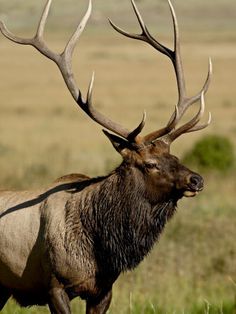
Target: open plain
44,135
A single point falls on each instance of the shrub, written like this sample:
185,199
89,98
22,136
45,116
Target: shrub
213,152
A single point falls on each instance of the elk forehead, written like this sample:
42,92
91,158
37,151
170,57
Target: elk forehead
146,154
153,150
158,148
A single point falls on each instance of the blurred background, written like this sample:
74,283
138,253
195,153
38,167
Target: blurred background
44,135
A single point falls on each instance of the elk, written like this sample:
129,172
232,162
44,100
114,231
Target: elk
76,237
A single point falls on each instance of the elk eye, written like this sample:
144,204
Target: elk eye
151,165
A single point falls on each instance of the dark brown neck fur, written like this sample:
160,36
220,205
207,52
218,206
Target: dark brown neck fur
119,220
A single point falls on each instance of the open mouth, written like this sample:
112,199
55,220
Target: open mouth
192,193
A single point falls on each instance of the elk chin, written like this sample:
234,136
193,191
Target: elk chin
189,193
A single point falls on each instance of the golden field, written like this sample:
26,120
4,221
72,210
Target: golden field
45,135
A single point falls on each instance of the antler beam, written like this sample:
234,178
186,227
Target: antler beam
168,132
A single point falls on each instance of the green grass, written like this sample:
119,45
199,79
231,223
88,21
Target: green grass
227,307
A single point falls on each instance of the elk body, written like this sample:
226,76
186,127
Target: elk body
76,237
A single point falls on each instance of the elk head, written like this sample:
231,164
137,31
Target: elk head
150,154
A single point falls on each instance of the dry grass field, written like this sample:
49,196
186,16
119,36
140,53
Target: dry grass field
44,135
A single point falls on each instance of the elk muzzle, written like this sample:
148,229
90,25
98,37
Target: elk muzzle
194,185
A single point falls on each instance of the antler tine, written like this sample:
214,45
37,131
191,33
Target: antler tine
183,106
176,60
133,136
4,30
43,19
104,121
145,35
63,62
37,41
192,126
74,38
189,126
189,101
201,126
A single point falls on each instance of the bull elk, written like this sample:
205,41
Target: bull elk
76,237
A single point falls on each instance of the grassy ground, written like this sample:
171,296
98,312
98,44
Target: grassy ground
44,135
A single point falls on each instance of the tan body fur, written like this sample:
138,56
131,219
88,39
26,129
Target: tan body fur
32,226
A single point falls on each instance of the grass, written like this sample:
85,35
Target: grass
204,307
43,135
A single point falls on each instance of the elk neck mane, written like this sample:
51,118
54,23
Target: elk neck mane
120,222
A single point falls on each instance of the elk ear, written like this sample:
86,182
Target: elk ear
121,146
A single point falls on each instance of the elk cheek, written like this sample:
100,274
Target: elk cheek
165,186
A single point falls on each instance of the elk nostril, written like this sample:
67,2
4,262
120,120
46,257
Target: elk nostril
196,181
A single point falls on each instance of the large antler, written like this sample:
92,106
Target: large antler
63,62
169,133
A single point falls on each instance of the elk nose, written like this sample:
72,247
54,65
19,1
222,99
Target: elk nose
196,182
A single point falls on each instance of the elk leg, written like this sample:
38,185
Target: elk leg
4,296
99,305
59,302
